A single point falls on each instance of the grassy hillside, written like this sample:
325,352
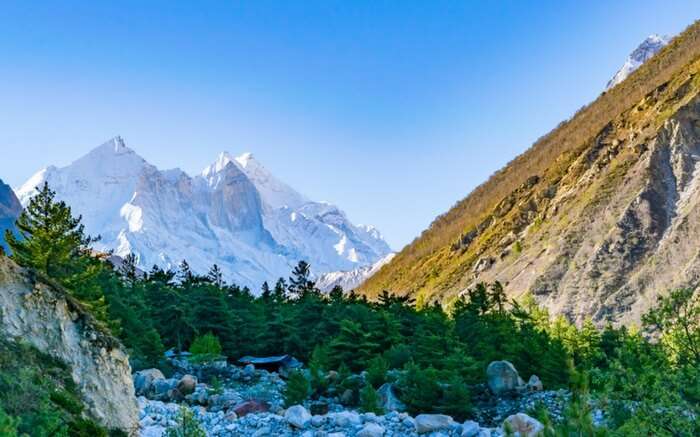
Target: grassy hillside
420,268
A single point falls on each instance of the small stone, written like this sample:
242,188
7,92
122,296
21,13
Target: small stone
249,371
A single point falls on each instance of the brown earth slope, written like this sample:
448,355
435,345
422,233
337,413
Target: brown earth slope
595,219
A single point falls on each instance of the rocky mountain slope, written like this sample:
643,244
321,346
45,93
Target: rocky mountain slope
10,208
235,214
596,219
44,316
648,48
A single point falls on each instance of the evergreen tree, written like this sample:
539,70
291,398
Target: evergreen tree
215,276
300,282
54,243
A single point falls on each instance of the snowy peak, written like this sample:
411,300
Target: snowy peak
648,48
235,213
274,193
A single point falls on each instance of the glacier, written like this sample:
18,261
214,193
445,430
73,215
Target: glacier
235,214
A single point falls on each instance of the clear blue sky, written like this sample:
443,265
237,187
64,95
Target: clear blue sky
393,110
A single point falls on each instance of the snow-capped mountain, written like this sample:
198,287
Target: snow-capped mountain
648,48
235,214
352,279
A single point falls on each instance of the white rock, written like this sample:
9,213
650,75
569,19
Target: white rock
523,424
345,418
297,416
432,422
470,429
371,430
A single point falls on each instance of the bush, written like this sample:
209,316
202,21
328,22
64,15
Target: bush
297,389
205,348
369,400
8,425
376,371
187,425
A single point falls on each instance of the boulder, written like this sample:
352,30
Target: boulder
161,387
187,384
426,423
371,430
348,397
347,418
251,406
389,400
470,429
144,379
503,378
534,383
523,425
297,416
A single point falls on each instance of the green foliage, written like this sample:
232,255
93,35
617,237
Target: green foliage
317,367
442,355
187,425
297,389
677,318
377,368
216,387
53,242
205,348
8,425
38,396
369,400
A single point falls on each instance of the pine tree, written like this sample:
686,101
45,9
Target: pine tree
300,282
54,243
184,274
297,389
216,276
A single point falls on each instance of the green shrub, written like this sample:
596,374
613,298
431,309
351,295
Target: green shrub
297,389
187,425
377,368
8,425
369,400
205,348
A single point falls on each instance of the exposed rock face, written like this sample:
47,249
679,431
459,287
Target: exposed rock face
611,223
10,209
43,316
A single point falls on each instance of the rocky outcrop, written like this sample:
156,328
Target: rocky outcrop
43,315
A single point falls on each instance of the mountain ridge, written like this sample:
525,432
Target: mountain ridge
482,236
235,213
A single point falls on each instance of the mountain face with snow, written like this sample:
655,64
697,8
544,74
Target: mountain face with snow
10,209
648,48
235,214
349,280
